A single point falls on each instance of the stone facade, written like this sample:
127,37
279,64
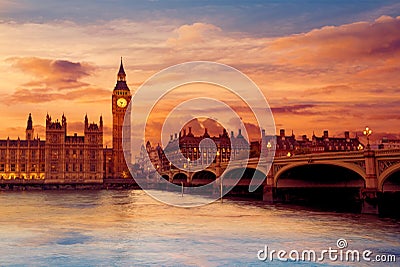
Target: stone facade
72,159
23,159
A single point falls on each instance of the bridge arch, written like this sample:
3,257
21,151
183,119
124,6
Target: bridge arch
387,174
246,173
321,185
165,176
203,177
349,166
179,177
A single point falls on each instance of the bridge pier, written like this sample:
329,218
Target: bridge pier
268,188
268,194
369,198
369,195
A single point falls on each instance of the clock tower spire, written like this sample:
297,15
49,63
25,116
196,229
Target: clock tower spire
121,134
121,72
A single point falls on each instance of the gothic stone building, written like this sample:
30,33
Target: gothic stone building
23,159
188,144
71,159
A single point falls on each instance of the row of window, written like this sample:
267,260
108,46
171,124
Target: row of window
72,178
22,153
22,167
13,176
73,168
73,154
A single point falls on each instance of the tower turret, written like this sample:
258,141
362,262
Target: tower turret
86,122
29,128
101,122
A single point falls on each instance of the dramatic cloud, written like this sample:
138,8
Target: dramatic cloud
360,42
194,35
53,74
343,76
294,109
85,95
54,80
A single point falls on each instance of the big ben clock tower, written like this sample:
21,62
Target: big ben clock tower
120,102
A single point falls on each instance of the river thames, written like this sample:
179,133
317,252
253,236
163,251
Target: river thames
129,228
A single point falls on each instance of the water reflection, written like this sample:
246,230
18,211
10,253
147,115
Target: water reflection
129,228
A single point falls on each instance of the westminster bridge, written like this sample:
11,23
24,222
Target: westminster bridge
368,173
367,177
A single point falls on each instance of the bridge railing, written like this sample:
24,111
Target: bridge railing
307,157
324,155
385,152
315,156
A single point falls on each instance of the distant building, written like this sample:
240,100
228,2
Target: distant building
282,145
287,145
389,143
193,149
149,156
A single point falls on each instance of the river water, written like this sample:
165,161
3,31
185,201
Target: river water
129,228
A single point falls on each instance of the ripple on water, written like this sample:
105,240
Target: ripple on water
125,228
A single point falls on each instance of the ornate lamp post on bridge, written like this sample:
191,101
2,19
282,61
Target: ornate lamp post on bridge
269,145
367,132
189,176
218,166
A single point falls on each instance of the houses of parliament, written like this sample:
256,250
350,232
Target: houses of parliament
71,159
65,159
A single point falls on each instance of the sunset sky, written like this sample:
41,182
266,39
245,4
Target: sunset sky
321,64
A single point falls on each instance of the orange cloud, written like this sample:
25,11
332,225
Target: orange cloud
54,74
40,95
194,34
359,42
54,80
342,76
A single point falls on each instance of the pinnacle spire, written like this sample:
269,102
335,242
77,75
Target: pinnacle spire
29,125
121,72
29,128
121,79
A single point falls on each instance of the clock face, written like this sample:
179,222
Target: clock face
121,102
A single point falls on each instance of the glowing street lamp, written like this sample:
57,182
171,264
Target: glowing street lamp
367,132
269,145
221,183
